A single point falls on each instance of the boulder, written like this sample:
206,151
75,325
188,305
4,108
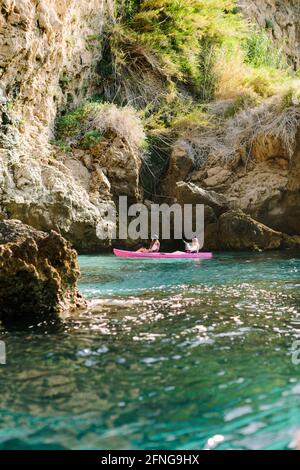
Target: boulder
238,231
189,193
211,236
291,242
38,273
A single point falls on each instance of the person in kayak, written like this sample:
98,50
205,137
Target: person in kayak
192,247
153,248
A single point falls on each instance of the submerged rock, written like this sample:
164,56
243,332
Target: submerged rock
38,273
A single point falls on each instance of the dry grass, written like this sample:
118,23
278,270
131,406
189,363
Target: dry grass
283,126
125,122
232,74
264,120
230,141
97,119
235,77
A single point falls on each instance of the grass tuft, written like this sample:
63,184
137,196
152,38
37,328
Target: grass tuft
88,124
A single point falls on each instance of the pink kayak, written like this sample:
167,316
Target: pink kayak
174,255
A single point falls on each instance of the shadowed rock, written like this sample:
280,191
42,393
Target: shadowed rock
38,273
238,231
189,193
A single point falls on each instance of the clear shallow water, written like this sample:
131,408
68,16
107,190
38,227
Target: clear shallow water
169,355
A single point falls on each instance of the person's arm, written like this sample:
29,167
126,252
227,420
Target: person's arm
155,246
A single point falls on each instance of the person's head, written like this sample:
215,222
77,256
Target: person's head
195,240
155,238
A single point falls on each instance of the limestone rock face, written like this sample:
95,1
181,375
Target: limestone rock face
38,273
47,60
290,202
180,166
49,51
122,166
276,184
294,174
47,196
282,18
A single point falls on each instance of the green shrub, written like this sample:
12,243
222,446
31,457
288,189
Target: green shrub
70,124
91,139
61,144
260,51
269,23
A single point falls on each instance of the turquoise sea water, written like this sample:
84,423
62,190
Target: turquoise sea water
169,355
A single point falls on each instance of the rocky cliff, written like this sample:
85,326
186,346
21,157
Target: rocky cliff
251,163
65,158
49,55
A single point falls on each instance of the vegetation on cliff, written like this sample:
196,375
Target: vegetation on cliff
190,45
169,59
85,126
